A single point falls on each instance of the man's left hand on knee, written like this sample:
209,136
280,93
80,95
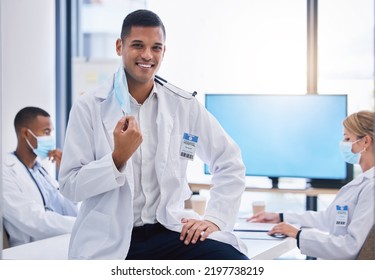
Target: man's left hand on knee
193,230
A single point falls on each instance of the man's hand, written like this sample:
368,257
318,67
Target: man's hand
196,229
55,156
127,138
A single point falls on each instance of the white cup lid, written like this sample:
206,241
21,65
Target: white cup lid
259,203
198,197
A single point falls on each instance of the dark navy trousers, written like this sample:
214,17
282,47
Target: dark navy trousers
155,242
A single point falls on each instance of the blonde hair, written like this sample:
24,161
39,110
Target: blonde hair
360,124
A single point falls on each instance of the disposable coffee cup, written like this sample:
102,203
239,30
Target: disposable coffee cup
198,203
258,206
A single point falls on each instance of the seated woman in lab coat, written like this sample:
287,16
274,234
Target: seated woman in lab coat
33,208
349,218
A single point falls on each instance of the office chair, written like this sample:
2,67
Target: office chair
367,251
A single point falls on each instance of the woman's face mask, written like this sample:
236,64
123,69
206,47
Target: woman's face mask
45,144
347,154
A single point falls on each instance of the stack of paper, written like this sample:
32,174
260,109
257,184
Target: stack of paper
255,227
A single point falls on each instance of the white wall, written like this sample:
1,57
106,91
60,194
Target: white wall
27,72
28,63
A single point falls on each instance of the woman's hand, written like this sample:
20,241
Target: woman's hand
264,217
284,228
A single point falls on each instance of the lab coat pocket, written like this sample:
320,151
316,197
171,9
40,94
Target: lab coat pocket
91,235
179,164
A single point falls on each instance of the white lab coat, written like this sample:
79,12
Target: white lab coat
24,216
104,225
329,241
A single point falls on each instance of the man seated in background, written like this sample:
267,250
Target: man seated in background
33,208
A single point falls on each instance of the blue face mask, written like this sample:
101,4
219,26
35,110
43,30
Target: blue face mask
44,145
121,90
347,154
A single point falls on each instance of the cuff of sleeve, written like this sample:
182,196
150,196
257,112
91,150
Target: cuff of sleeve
281,217
119,174
216,221
297,237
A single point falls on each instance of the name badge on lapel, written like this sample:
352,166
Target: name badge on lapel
188,145
341,216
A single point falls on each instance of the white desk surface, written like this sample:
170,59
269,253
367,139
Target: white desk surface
56,248
269,249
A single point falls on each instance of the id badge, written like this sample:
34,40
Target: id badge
341,216
188,146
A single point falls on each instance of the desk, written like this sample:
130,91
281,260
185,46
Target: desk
269,249
311,193
53,248
56,248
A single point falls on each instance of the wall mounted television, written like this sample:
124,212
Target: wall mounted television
292,136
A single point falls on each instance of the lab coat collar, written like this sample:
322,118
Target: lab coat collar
37,165
110,109
370,174
111,113
11,159
151,95
104,89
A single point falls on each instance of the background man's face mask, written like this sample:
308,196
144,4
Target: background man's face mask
45,144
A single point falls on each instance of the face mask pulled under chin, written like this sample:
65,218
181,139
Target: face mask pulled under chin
347,154
45,144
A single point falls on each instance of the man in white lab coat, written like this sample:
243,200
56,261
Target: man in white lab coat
33,207
126,151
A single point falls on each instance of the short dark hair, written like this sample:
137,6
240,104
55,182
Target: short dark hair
26,115
144,18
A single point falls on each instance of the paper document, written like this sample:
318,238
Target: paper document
246,230
255,227
255,235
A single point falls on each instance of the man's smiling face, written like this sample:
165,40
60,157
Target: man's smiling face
142,52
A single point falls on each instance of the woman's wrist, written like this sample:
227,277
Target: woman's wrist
297,237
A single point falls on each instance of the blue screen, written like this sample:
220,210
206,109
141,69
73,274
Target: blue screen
285,135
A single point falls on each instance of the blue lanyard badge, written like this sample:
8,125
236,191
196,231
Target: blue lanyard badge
188,146
341,216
